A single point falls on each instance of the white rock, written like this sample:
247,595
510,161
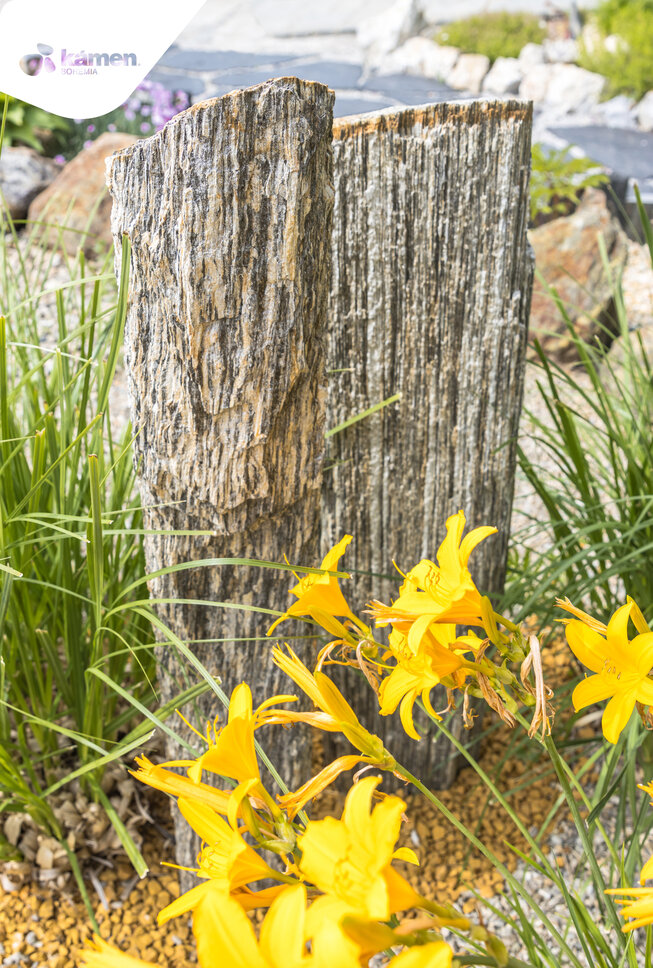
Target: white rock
617,112
468,73
504,77
591,38
383,33
644,112
615,44
563,86
530,55
561,51
422,56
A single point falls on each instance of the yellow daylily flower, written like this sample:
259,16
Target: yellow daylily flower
231,749
177,785
415,675
438,593
621,669
319,593
637,904
295,801
338,716
350,859
101,954
438,954
225,936
225,860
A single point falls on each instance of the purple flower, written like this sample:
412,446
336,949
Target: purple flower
91,128
88,144
60,160
129,115
111,127
145,127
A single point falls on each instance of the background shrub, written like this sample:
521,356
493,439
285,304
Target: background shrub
630,69
493,34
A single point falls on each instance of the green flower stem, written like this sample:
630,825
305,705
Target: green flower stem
554,874
575,783
606,905
494,860
464,960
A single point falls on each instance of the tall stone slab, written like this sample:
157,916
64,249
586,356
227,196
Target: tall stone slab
431,287
228,210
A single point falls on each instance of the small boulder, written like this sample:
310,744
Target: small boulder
644,112
468,73
23,174
423,57
383,33
529,56
78,198
564,86
504,77
561,51
567,257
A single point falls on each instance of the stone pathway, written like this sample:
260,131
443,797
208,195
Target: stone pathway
234,44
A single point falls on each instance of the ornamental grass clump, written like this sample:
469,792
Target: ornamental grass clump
331,888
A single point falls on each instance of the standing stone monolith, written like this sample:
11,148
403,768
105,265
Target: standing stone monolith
228,210
431,287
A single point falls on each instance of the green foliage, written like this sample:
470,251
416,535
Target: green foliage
597,524
76,629
629,70
28,125
609,14
493,34
557,180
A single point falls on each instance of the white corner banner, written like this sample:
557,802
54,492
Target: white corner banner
82,59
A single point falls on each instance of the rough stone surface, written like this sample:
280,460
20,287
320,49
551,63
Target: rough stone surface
430,295
565,86
228,210
468,72
644,112
504,77
78,199
23,174
567,256
419,55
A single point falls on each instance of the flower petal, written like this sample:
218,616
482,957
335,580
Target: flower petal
591,690
617,713
282,932
586,644
642,645
618,625
438,954
225,936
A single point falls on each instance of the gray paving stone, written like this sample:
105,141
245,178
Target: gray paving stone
296,18
345,106
218,60
233,80
411,90
174,81
625,152
337,74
